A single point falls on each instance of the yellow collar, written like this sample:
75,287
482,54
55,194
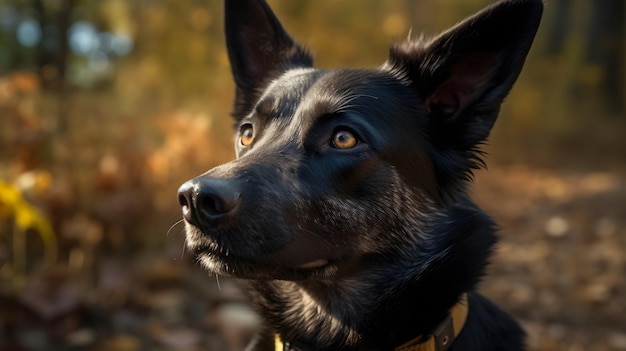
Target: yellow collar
446,332
439,340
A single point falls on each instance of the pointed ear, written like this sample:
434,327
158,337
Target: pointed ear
463,75
258,48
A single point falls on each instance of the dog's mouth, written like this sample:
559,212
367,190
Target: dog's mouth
300,259
251,269
314,264
292,257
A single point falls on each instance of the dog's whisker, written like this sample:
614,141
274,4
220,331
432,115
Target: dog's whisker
308,231
182,220
182,251
367,96
217,280
348,99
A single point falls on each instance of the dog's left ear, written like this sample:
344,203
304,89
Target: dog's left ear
259,49
463,75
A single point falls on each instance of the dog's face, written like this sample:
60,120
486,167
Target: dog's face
321,178
338,170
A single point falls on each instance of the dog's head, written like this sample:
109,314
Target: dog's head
337,169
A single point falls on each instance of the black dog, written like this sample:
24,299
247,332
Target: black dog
346,210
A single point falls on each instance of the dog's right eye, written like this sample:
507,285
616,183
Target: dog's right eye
246,135
344,139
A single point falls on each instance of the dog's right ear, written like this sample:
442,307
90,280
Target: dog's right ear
258,49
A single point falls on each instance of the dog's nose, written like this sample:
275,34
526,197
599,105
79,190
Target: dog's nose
205,200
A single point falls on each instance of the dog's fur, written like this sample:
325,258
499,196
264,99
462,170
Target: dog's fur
346,211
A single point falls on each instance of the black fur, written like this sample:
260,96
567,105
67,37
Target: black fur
366,247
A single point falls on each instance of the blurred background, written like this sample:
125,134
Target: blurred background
107,106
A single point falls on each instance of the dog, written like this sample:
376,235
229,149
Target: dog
345,213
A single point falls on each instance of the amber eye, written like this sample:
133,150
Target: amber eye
344,139
246,135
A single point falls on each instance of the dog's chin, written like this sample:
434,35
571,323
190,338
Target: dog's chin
243,269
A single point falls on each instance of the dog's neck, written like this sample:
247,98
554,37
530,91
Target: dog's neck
376,307
440,338
340,316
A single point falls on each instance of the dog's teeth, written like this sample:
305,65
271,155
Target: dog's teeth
314,264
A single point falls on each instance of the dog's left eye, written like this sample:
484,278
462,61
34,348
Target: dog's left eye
344,139
246,135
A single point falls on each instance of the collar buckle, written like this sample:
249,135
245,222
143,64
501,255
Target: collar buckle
444,334
442,337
